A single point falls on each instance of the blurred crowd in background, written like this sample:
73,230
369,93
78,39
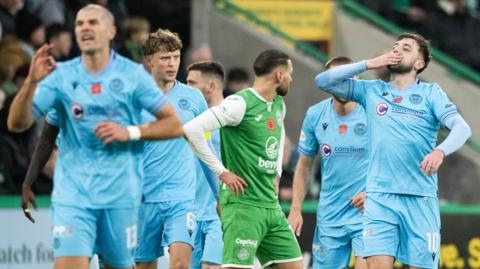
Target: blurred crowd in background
27,24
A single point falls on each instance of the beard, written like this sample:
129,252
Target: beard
282,91
400,69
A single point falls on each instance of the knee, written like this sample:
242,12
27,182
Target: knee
179,264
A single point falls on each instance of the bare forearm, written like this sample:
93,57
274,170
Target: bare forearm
20,115
300,181
41,154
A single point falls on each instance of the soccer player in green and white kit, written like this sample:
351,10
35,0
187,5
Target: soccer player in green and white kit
252,136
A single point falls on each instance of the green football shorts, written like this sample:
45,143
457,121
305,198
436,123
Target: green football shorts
250,231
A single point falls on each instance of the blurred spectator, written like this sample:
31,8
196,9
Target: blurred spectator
31,31
8,13
453,30
61,38
48,11
20,75
12,57
135,30
237,79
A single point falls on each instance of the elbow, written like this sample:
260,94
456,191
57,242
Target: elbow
468,131
15,126
321,80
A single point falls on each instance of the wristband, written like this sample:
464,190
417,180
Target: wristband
134,133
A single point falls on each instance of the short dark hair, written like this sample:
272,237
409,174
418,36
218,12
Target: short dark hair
237,74
269,60
423,47
338,61
208,68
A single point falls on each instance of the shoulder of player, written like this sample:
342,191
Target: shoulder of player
319,108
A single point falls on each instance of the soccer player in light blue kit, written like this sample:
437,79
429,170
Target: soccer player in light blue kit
402,218
167,213
208,249
98,174
338,129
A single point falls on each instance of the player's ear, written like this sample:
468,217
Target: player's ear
419,64
211,86
278,75
112,32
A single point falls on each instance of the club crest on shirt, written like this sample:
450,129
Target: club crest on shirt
360,128
415,99
116,85
382,109
184,104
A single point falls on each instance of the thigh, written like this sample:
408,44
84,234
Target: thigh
180,223
331,248
117,236
150,230
380,227
198,246
356,237
213,247
420,232
74,231
243,229
279,245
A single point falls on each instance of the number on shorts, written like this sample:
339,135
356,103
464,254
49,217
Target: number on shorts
191,221
433,241
131,236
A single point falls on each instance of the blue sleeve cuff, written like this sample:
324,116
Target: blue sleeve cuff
158,105
307,152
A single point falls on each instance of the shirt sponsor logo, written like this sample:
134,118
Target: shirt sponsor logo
382,109
415,99
116,85
406,111
271,166
246,242
77,111
360,128
271,147
326,150
342,129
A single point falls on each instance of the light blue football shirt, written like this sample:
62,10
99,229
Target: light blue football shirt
403,128
343,145
87,173
170,165
205,198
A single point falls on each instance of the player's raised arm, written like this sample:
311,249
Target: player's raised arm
228,113
41,155
337,79
20,116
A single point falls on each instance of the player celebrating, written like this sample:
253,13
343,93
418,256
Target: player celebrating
338,128
97,179
207,252
167,213
252,137
402,219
